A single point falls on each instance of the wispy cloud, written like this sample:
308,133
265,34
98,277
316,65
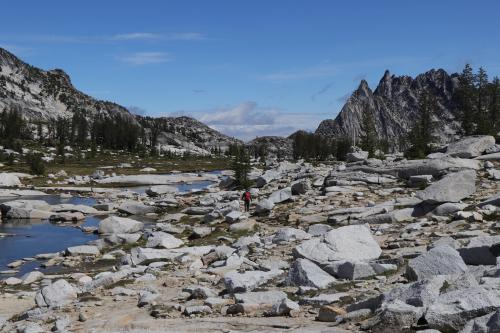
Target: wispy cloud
17,49
248,120
150,36
137,36
48,38
137,110
131,36
320,92
146,58
301,74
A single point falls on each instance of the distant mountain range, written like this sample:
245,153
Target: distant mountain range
47,95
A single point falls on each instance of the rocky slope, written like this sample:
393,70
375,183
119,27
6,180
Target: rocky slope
394,106
46,95
271,146
179,134
379,246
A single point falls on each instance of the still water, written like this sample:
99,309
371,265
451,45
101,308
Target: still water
27,238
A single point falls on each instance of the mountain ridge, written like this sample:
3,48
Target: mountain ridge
394,105
46,95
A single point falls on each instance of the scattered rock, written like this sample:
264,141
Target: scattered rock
304,272
441,260
451,188
119,225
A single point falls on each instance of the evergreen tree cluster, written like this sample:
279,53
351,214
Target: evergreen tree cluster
240,165
310,146
478,102
12,128
421,136
115,133
80,131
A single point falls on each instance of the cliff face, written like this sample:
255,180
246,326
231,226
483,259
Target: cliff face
394,107
47,95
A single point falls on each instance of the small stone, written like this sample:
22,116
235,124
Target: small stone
330,313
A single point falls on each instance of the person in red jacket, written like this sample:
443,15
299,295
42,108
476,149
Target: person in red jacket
247,198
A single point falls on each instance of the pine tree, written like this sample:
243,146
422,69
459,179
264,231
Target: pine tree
465,99
481,100
241,167
494,105
368,138
421,134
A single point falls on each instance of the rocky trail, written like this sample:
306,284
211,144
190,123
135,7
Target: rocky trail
390,245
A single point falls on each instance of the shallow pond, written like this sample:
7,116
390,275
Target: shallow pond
27,238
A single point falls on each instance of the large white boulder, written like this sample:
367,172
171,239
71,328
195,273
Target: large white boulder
281,195
304,272
441,260
452,310
482,250
470,146
163,240
264,206
267,177
83,250
119,225
9,180
451,188
356,154
135,208
249,280
354,242
59,293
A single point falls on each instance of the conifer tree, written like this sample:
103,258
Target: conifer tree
421,134
494,106
465,99
483,125
241,167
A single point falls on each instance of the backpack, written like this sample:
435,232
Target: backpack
247,196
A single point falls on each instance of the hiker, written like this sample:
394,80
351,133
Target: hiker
246,197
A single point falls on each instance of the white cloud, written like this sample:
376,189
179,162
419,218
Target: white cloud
137,110
148,36
146,58
247,120
137,36
16,49
99,39
301,74
185,36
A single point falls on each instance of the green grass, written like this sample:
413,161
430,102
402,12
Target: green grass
87,166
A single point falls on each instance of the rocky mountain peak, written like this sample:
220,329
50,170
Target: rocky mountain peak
44,96
363,89
394,104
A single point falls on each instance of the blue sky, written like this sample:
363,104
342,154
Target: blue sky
247,68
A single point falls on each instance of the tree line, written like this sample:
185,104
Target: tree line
478,102
311,146
108,132
478,107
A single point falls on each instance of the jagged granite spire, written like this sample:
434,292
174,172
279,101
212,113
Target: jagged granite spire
394,107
